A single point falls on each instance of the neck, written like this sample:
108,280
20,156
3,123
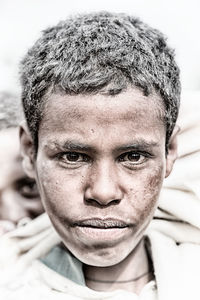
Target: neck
125,275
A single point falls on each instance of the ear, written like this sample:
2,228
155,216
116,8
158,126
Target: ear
172,151
27,150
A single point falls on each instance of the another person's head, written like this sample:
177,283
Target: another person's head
19,196
101,97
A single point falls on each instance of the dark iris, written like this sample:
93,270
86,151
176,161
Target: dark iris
133,156
72,156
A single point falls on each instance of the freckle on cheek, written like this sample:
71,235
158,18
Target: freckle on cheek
155,181
151,193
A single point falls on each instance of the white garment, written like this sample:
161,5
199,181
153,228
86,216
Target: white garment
180,196
177,268
32,278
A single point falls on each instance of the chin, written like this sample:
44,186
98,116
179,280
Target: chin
100,257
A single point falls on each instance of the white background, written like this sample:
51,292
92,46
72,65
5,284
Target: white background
22,20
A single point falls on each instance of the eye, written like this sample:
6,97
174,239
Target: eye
73,157
133,158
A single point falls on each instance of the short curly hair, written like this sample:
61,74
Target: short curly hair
91,53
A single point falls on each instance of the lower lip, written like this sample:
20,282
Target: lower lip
100,234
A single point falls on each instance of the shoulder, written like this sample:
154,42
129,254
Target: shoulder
21,247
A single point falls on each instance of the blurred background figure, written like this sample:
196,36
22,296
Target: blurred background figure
19,198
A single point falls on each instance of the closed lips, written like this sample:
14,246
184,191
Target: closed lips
103,224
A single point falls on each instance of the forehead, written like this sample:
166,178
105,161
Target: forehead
79,114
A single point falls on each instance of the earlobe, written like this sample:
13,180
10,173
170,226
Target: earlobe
27,150
172,151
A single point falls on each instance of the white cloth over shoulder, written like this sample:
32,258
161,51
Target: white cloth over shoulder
30,277
180,195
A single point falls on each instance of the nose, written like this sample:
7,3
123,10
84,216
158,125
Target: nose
103,186
10,207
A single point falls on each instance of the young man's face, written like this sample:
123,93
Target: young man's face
19,197
100,166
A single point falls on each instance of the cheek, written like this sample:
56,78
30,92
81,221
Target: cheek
60,192
144,195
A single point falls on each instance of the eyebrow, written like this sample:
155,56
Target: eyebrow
74,146
140,144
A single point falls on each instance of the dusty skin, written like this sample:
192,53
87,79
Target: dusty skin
100,165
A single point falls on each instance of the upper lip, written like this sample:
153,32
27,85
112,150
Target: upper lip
102,223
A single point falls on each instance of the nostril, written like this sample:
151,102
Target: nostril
94,202
117,201
90,200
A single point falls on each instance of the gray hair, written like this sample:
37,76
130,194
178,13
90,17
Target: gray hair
99,52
